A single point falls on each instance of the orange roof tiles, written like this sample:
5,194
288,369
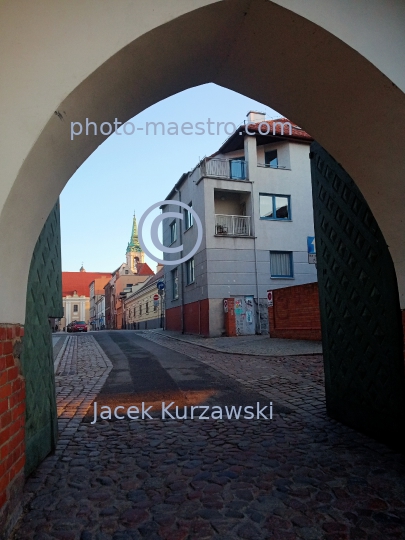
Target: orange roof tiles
80,282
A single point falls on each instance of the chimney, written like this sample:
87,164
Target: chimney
159,267
255,117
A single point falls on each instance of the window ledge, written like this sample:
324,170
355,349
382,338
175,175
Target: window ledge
233,236
282,277
276,219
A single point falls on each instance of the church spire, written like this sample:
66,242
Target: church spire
133,244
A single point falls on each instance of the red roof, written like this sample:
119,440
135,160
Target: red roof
144,270
80,282
296,131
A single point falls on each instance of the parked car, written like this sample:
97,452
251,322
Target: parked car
78,326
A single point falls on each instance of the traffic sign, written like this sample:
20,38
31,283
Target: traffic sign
311,244
161,285
269,298
155,297
311,249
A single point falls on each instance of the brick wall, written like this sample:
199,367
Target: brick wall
12,426
196,318
295,313
173,319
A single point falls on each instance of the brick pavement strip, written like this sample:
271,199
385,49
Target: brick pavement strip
294,477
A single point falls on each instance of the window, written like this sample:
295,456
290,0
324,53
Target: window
190,271
147,307
238,167
188,218
75,308
270,159
140,309
281,264
173,232
275,206
127,271
175,284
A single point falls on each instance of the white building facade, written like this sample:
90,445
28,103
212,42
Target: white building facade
254,199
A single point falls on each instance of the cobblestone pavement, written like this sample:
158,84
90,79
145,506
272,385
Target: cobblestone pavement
80,375
292,381
300,475
251,345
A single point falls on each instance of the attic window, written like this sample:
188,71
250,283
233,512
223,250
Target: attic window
127,271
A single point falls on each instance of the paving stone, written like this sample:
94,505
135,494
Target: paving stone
302,476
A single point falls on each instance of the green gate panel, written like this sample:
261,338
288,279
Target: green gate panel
44,300
360,313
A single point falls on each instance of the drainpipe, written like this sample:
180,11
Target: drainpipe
252,165
258,325
182,268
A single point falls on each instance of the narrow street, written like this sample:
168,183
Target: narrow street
297,475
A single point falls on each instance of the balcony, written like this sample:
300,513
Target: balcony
226,225
231,169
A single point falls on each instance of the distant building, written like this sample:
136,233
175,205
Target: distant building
142,312
97,302
254,199
76,295
130,274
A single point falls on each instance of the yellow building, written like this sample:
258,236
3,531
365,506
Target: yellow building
142,311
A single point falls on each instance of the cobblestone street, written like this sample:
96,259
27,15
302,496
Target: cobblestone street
300,475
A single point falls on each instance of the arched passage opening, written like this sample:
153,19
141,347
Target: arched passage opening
256,48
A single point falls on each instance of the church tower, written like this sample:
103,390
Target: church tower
135,254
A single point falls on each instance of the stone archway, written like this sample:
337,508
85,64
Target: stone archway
70,61
329,86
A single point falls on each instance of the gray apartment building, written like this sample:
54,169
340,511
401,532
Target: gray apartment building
254,200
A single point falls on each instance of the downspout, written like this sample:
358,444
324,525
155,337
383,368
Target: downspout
251,154
182,269
258,325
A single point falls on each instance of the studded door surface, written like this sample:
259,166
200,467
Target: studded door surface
360,313
44,299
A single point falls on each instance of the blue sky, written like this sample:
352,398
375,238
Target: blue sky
131,172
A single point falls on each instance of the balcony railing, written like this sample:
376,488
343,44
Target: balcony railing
226,225
233,169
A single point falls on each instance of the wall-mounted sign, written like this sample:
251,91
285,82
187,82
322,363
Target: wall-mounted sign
269,298
311,249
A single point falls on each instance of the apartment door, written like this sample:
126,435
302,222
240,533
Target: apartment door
245,315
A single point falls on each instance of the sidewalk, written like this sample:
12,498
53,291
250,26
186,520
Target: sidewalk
250,345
